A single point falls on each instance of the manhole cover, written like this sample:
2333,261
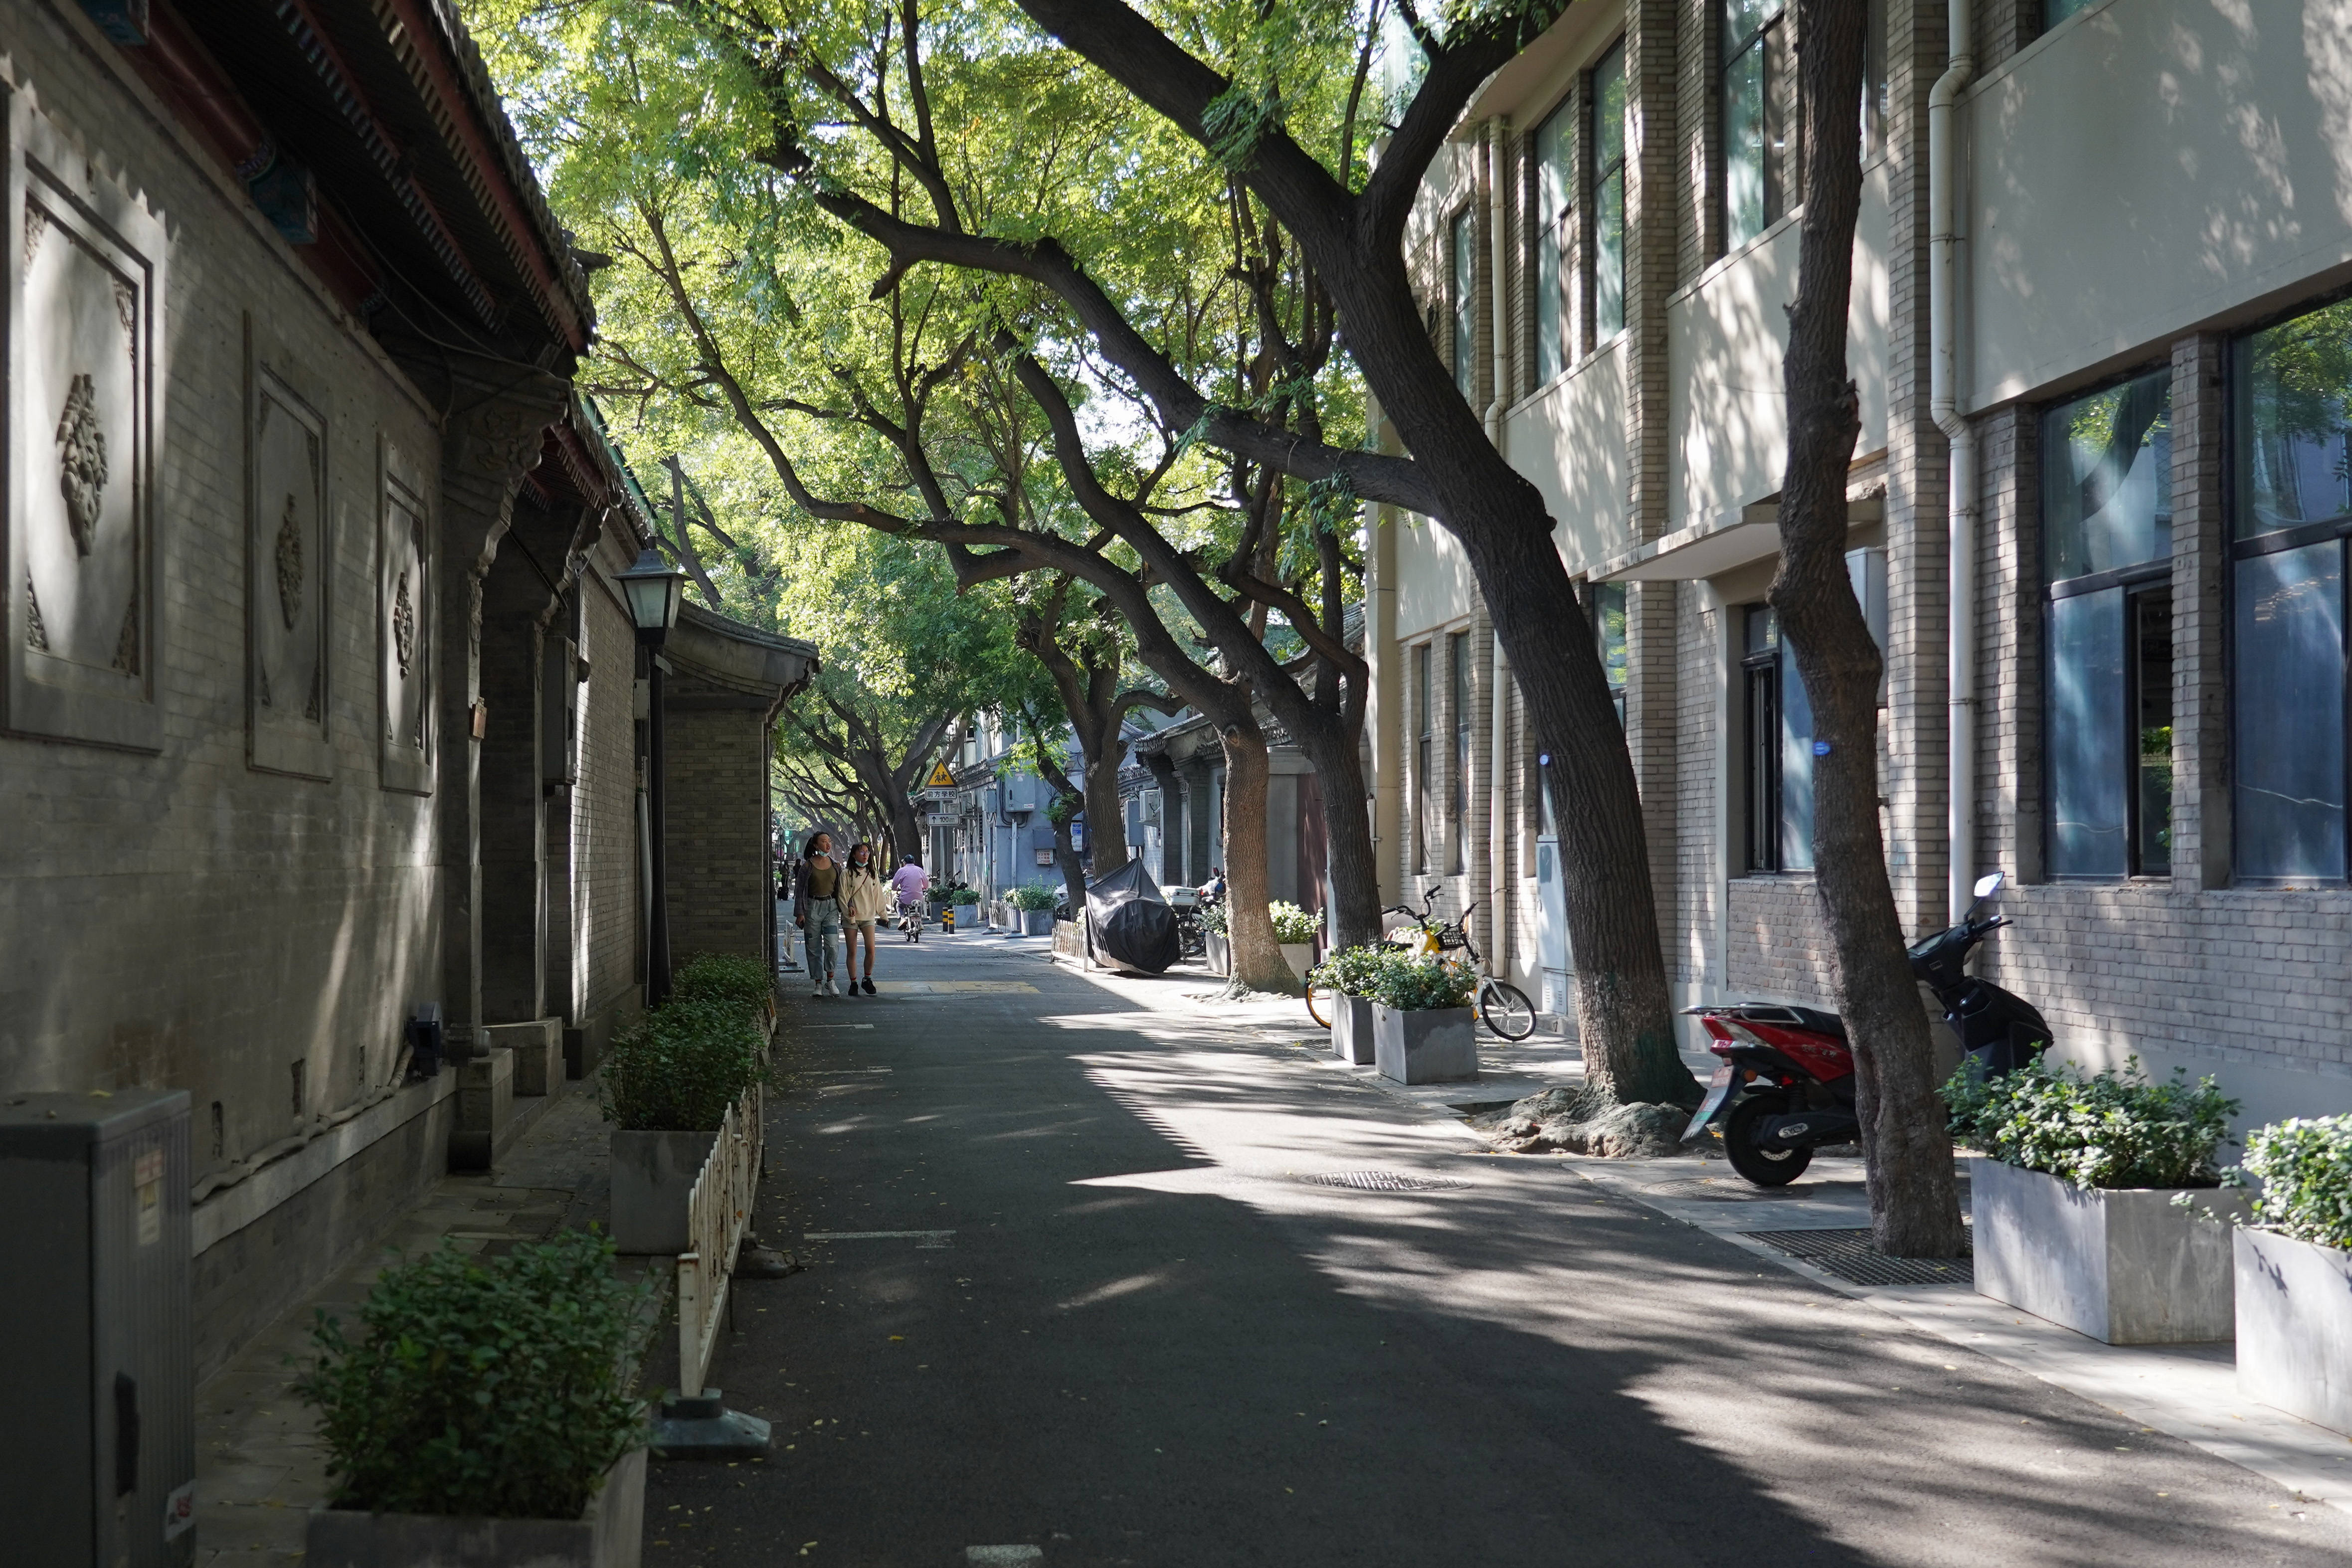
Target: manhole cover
1849,1255
1384,1181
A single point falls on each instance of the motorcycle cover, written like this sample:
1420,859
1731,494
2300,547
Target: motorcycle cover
1128,923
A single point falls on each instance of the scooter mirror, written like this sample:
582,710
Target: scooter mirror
1990,883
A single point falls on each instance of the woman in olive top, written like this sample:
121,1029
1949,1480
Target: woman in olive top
864,897
816,910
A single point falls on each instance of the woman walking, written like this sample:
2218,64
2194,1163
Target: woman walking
864,897
816,910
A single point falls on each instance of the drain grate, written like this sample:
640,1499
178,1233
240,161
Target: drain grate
1384,1181
1735,1189
1849,1255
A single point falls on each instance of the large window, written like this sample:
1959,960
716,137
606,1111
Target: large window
1427,720
2106,538
1778,722
1457,669
1462,286
1607,96
1550,203
1608,605
2293,462
1759,102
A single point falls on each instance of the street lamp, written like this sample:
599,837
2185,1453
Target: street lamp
654,592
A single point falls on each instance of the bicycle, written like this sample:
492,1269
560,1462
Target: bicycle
1501,1005
910,919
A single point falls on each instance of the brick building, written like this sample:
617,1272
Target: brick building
2147,407
319,704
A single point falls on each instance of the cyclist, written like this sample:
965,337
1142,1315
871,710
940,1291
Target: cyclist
911,882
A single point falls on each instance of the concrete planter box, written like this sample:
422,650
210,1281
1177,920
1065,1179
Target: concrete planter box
485,1092
1353,1033
1300,956
1433,1045
610,1534
538,1049
1037,921
2122,1266
653,1172
2294,1327
1221,954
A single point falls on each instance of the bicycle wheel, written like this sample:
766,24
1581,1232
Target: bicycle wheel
1317,1005
1505,1008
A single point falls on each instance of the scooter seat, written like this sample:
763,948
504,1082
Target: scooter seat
1819,1021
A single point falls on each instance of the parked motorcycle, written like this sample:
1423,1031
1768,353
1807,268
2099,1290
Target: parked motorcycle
1786,1086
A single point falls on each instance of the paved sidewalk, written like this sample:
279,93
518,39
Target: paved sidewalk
260,1467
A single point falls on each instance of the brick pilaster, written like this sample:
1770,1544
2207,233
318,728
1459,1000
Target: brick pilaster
1652,136
2200,545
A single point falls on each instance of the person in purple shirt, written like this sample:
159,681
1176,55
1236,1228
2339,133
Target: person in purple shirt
911,882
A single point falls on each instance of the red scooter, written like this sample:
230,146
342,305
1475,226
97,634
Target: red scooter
1787,1072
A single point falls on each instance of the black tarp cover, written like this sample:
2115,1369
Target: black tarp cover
1128,923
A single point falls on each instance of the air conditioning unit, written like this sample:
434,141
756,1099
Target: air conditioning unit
97,1463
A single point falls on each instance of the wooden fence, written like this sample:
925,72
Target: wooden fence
718,1213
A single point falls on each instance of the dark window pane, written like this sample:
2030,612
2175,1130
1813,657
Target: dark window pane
1796,768
2289,699
1554,182
2294,422
2151,631
1608,626
1464,284
1609,110
1743,145
1762,718
1761,631
1608,195
2056,11
2087,774
2106,478
1457,654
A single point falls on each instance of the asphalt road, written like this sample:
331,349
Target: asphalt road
1159,1333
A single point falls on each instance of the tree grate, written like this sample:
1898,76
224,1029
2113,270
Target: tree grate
1849,1255
1384,1181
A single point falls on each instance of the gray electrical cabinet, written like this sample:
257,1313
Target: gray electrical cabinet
97,1457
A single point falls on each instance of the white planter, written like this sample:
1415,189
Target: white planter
2294,1327
653,1172
1221,954
2124,1267
1432,1045
610,1534
1352,1030
1300,956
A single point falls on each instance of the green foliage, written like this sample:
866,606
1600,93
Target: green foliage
964,895
2113,1129
1421,982
2305,1169
1213,918
745,984
1352,971
1292,924
682,1065
1031,896
484,1387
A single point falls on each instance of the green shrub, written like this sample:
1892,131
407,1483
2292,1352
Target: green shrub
1292,924
1351,970
1031,897
964,895
1421,982
483,1387
680,1066
2113,1129
1213,918
741,983
2306,1168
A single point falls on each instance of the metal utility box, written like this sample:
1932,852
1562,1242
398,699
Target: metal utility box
97,1458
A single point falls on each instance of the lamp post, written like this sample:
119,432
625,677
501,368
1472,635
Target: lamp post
654,592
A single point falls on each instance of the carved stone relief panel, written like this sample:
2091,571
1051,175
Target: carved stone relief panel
85,303
290,592
404,615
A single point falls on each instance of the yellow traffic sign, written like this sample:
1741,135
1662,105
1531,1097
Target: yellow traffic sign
940,778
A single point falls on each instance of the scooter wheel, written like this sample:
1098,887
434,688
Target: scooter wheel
1762,1166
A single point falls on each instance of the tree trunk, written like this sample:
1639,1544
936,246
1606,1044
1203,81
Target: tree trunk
1074,876
1105,818
1346,834
1913,1207
1258,963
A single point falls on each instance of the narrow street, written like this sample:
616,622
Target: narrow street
1096,1282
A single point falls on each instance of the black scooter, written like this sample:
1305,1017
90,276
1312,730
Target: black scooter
1787,1072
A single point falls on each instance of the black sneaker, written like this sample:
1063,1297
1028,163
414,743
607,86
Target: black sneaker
869,984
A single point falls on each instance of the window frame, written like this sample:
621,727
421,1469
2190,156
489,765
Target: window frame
1780,162
1461,695
1759,687
1594,175
1561,233
1462,301
1425,734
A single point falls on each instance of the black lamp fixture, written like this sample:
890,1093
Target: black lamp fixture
655,590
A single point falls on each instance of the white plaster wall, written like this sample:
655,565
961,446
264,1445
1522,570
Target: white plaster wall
1569,440
1727,417
1435,582
2207,163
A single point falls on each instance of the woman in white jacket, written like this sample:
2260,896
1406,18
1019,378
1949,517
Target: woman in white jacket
864,899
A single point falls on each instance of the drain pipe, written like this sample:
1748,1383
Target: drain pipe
1498,836
1944,242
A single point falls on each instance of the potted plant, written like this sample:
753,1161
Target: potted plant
1294,930
743,983
1421,1026
2086,1211
1351,975
667,1083
484,1416
2293,1268
1212,933
1035,907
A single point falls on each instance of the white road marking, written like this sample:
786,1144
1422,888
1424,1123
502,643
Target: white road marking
1002,1556
920,1238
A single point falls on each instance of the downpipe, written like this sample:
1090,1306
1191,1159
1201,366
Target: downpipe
1944,242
